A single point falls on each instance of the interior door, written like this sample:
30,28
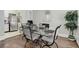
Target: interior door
13,24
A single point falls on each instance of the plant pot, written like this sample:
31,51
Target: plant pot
72,39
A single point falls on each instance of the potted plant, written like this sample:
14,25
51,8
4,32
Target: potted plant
71,19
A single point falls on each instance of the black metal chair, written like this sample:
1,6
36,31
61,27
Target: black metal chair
28,32
24,29
54,38
30,22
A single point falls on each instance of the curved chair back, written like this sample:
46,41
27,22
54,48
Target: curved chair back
26,31
55,33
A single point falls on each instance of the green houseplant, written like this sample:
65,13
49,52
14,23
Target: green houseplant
71,19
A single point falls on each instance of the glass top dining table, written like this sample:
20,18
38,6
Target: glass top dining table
44,34
40,34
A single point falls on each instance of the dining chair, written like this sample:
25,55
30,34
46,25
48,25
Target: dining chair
53,38
28,32
25,31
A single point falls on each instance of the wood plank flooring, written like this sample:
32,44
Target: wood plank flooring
17,42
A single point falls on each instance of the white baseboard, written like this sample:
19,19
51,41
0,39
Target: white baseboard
63,35
8,35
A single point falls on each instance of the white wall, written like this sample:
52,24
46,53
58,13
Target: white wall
38,16
1,22
6,12
24,15
56,18
77,31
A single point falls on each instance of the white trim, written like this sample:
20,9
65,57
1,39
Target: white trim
63,35
10,34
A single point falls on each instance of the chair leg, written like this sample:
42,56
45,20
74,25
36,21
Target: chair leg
56,44
25,44
40,46
50,45
25,38
45,45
